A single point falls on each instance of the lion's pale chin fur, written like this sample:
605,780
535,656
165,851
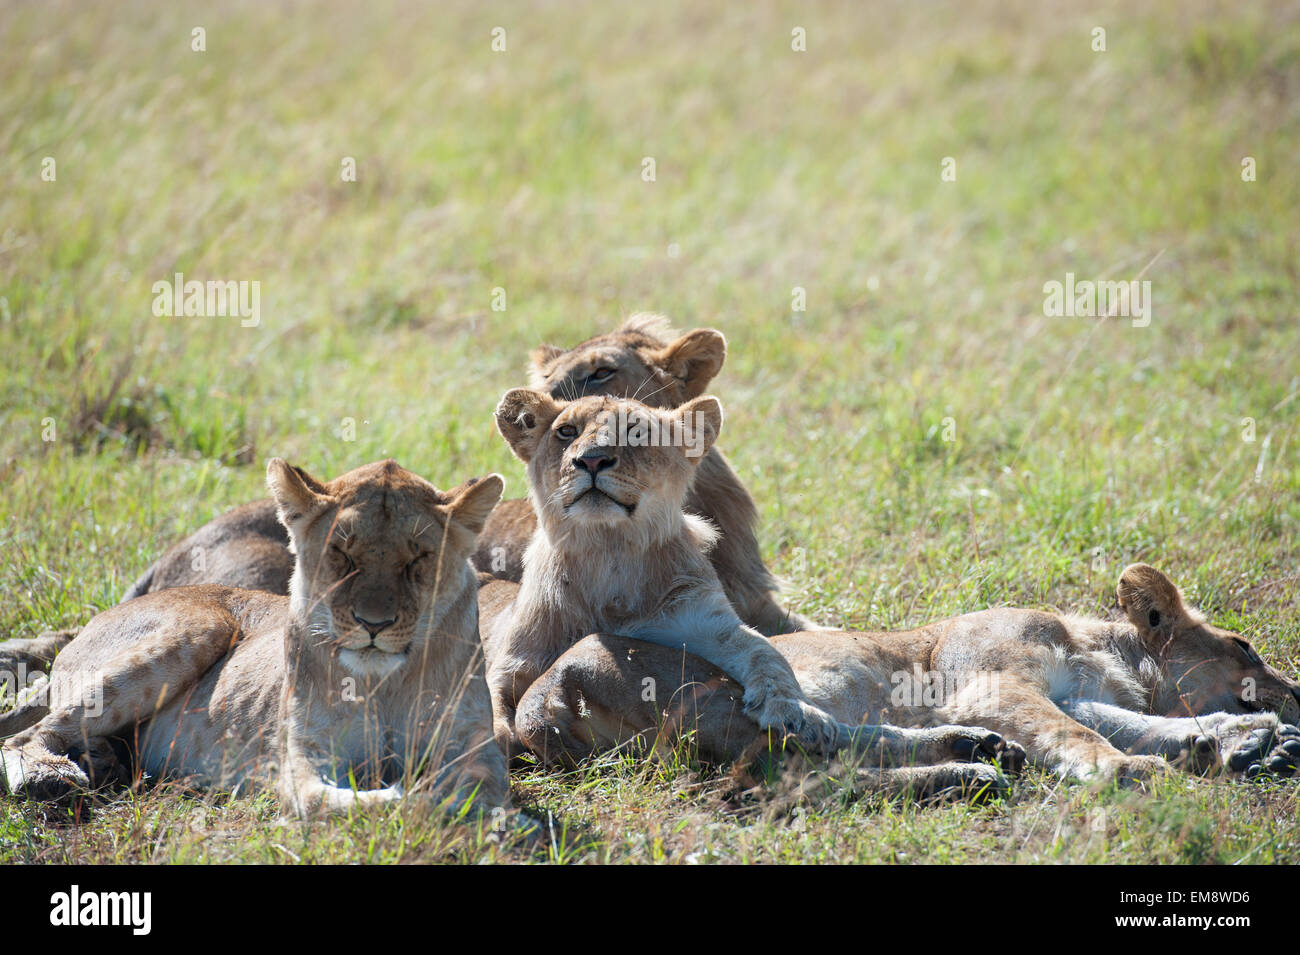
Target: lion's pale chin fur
371,663
602,527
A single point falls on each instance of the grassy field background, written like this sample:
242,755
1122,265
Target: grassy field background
1077,445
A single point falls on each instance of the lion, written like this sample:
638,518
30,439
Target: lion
615,553
1090,700
365,683
647,360
248,547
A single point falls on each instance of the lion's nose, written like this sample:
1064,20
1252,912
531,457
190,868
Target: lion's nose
594,461
373,627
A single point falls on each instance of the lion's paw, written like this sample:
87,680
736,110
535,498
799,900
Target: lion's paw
811,726
1264,751
1244,744
1198,753
974,782
971,744
41,776
1139,770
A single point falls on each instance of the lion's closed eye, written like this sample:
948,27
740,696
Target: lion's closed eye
1250,651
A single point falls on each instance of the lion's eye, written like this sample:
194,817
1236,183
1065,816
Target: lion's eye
566,432
410,568
600,374
341,555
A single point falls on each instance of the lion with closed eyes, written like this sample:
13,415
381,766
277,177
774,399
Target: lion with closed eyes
363,685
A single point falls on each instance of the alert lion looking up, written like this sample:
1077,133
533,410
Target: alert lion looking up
370,670
647,360
614,553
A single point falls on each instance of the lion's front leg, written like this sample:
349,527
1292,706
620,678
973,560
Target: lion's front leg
608,692
1250,744
1187,743
307,785
508,680
110,699
471,765
1018,709
1253,744
895,746
772,696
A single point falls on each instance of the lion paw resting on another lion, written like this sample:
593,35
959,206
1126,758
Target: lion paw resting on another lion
370,670
615,556
619,631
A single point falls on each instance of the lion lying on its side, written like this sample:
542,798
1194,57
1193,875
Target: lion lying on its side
1089,699
614,553
371,670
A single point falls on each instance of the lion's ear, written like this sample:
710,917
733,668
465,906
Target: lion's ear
1151,602
694,359
542,355
523,416
297,494
701,421
472,502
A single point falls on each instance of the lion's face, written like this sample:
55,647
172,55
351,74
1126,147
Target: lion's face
605,462
374,549
642,360
1215,670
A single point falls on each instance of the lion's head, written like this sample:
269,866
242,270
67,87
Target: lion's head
644,359
375,550
608,465
1213,670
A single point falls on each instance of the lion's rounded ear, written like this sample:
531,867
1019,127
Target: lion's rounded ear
473,501
523,416
701,424
694,359
541,356
296,493
1150,601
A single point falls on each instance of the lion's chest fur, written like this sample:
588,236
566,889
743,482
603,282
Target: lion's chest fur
571,593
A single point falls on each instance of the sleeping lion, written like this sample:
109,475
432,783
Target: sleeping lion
364,684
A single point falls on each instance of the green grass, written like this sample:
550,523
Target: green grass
1080,445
